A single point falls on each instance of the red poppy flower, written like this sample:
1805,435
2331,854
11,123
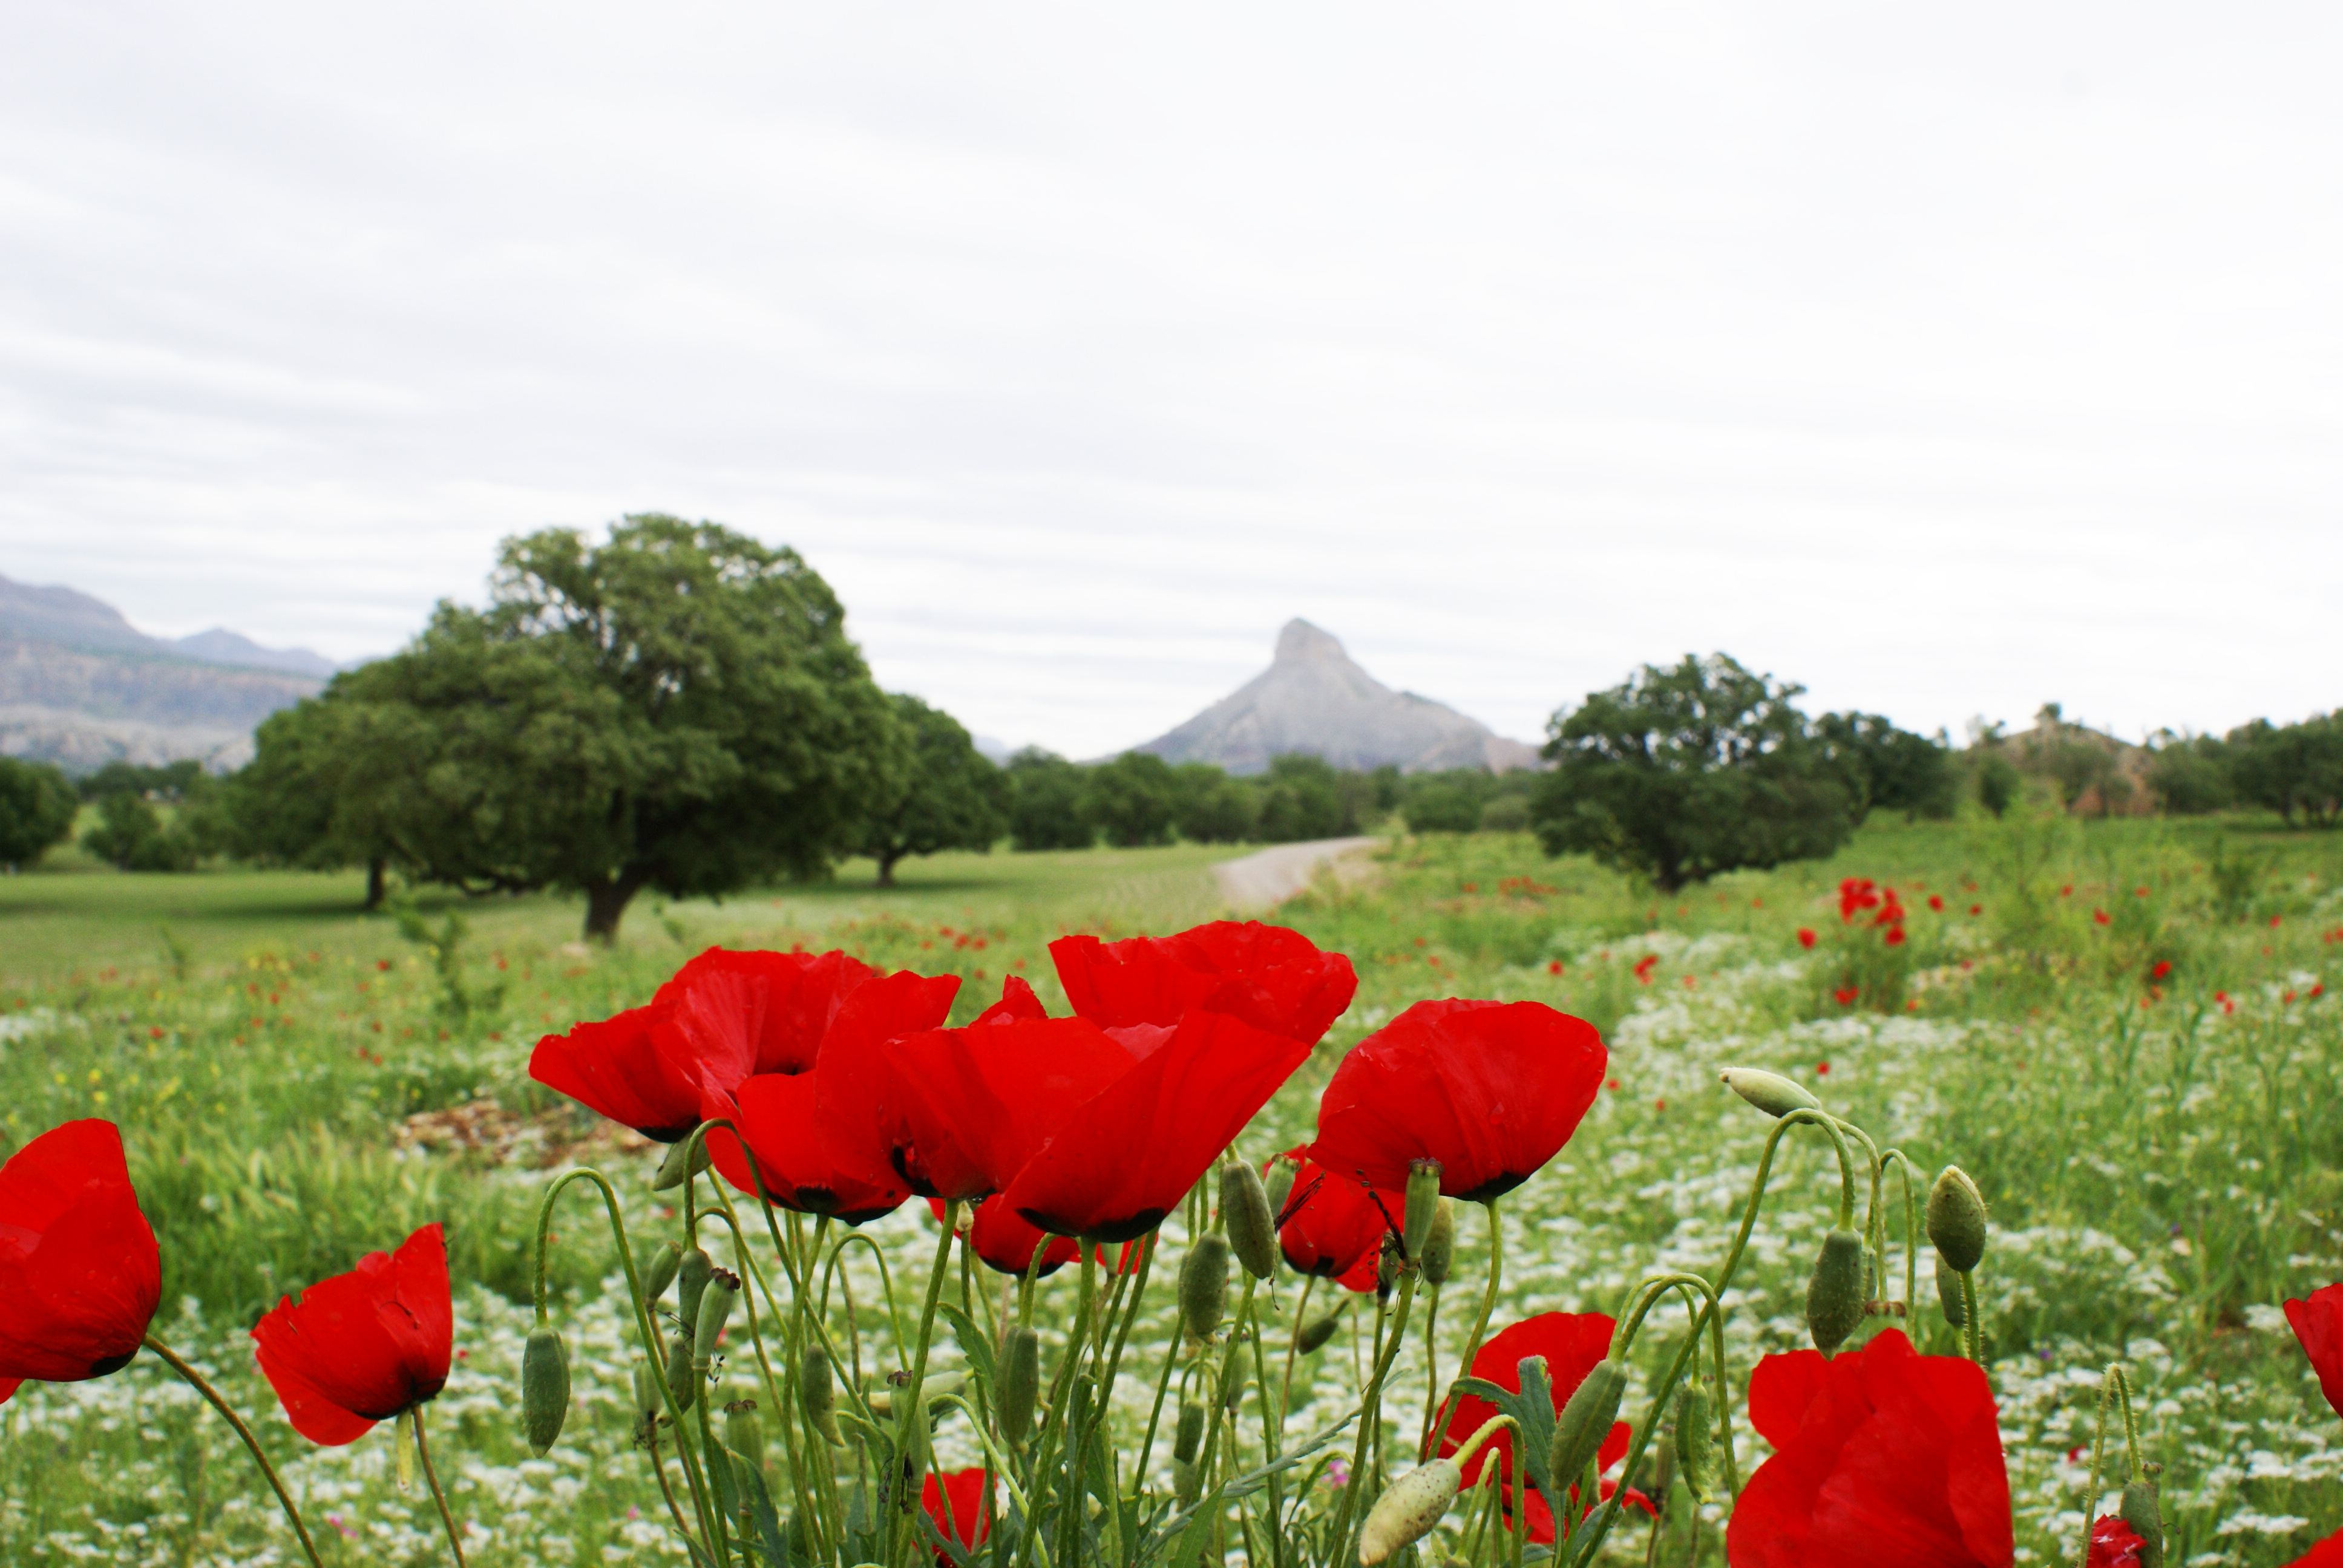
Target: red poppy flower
1856,893
955,1500
2317,1324
1273,979
80,1274
1977,909
2163,966
1331,1228
721,1017
1571,1343
1936,902
1879,1445
365,1346
1806,937
2113,1545
2328,1553
1643,967
1845,995
2102,918
1541,1517
1005,1244
1894,938
1490,1089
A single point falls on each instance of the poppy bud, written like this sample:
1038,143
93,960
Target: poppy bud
1948,1296
1440,1247
544,1388
1279,1184
659,1272
1769,1092
1423,1203
744,1434
1187,1483
671,1171
1020,1382
1585,1422
682,1377
692,1278
820,1394
1204,1285
649,1404
1233,1395
716,1298
1315,1335
1187,1437
1956,1220
1835,1290
1695,1447
2141,1511
1406,1512
1253,1223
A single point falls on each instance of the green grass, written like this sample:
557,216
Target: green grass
2160,1153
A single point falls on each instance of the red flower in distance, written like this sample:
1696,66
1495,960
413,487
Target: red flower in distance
80,1274
2328,1553
2162,968
2318,1325
1845,995
1806,937
2102,918
1936,902
1856,893
365,1346
1331,1228
1273,979
1894,938
1491,1090
955,1501
1643,967
1881,1444
2113,1545
1005,1244
1977,909
1571,1343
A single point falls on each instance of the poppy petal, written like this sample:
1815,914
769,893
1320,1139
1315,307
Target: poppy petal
613,1067
80,1273
995,1094
1018,1003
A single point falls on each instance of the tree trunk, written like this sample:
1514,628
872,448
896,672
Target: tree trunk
376,889
887,869
606,901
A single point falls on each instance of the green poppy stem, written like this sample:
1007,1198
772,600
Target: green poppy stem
431,1474
202,1385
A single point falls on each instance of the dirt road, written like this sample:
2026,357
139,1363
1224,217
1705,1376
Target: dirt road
1269,877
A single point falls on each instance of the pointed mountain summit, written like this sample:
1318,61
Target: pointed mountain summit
1314,699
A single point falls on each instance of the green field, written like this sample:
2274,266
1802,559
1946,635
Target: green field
299,1084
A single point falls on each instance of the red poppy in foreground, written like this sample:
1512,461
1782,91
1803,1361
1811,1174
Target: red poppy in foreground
1571,1343
1273,979
1005,1244
1880,1450
2328,1553
1331,1228
2318,1324
955,1501
365,1346
1491,1090
2113,1545
80,1274
1541,1517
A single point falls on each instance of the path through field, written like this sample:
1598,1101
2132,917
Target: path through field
1267,877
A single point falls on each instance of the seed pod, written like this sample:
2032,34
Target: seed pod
671,1171
1585,1421
1406,1512
818,1393
1278,1185
1020,1382
682,1377
716,1298
1204,1285
544,1388
2142,1511
1835,1290
1695,1445
692,1278
1423,1203
1233,1396
1317,1332
1956,1220
744,1434
1253,1224
1440,1247
1948,1297
659,1271
650,1404
1769,1092
1188,1436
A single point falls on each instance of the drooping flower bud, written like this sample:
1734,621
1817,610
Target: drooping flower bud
1188,1435
1315,1333
682,1377
1956,1220
659,1271
820,1394
1253,1224
744,1434
691,1280
1585,1422
1696,1442
1187,1483
672,1172
1948,1297
716,1298
1279,1184
1423,1203
1406,1512
1769,1092
544,1388
1020,1382
649,1405
2142,1510
1440,1247
1835,1290
1204,1285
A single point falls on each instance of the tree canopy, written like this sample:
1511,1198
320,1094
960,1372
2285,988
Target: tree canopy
36,811
944,794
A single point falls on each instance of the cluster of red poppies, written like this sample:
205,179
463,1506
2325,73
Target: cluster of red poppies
1857,894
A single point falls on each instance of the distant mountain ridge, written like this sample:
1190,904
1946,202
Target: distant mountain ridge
1315,700
81,687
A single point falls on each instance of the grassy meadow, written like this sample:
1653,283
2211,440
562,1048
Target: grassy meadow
2121,1029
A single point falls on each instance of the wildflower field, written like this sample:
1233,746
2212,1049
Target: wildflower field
2123,1031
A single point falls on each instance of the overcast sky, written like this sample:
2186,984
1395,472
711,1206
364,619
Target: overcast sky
1944,360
